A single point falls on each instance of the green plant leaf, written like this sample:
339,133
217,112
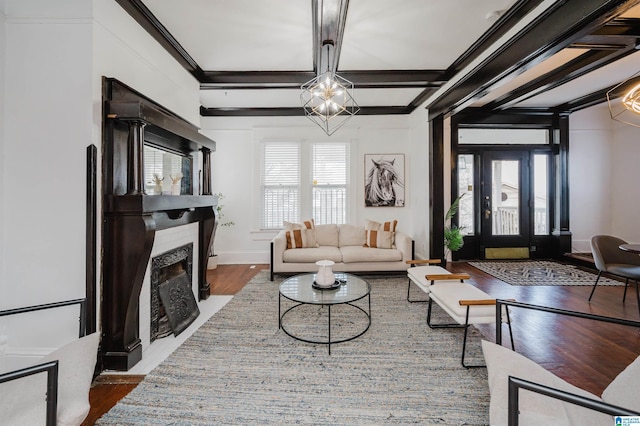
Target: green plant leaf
453,208
453,238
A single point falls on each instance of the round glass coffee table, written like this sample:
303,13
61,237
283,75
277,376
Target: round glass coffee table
300,289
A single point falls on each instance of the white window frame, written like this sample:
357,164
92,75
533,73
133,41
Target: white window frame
306,184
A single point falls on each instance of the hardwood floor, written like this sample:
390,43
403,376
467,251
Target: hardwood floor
586,354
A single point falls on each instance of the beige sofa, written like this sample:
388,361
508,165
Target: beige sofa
345,245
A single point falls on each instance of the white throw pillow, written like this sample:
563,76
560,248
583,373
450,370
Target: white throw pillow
22,401
535,409
623,391
77,362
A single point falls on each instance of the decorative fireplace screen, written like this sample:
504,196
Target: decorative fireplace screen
173,304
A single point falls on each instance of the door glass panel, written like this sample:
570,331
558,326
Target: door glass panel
466,206
541,191
505,196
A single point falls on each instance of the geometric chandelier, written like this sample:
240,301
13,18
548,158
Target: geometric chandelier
328,99
628,109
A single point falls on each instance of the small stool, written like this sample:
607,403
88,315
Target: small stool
416,274
465,303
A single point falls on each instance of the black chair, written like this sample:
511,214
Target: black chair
610,259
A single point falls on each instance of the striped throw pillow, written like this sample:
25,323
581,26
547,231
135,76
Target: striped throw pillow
301,238
390,227
300,235
378,239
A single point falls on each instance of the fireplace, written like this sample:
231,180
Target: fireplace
132,218
173,304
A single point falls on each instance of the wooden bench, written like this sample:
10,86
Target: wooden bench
465,304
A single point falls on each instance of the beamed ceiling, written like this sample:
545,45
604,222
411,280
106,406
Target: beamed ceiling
251,56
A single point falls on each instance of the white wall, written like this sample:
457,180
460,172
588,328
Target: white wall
47,125
604,176
54,54
3,287
625,178
236,172
590,180
419,197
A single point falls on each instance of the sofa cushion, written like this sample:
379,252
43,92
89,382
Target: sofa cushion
350,235
378,239
535,409
301,238
352,254
623,390
312,255
327,235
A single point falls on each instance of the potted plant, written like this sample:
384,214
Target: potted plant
453,238
213,258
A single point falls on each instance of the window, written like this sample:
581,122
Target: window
466,206
503,136
301,180
541,191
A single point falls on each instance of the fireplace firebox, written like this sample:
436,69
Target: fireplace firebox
173,304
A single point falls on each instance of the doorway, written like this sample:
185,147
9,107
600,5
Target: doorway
504,211
504,193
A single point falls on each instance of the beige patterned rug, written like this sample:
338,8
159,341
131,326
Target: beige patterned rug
239,368
540,272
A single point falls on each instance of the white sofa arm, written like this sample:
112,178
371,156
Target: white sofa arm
278,246
404,243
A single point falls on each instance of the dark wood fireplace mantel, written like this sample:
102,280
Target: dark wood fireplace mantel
131,217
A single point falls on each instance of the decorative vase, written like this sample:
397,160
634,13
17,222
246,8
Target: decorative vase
325,276
157,189
175,188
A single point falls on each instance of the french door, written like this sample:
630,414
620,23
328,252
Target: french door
505,216
506,202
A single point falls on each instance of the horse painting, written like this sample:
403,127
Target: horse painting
382,180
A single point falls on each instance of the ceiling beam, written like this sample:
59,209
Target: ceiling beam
159,32
512,16
548,33
329,18
573,69
294,111
293,79
598,96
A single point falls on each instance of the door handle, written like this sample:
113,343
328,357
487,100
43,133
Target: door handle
487,213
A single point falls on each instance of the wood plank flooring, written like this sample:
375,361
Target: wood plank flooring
586,354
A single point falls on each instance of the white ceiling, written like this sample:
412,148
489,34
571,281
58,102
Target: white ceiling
379,35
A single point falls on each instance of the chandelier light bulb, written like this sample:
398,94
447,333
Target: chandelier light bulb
631,100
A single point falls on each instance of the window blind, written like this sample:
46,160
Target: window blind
280,184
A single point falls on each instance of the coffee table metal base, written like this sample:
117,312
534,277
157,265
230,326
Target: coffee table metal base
327,342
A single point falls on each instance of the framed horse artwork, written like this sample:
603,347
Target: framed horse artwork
384,180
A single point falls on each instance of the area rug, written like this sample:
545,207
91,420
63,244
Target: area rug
239,368
540,272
